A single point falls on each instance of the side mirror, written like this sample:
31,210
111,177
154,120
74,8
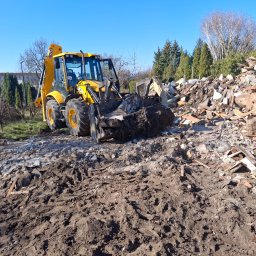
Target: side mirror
57,63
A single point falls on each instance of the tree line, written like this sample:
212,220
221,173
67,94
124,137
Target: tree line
228,39
16,95
173,62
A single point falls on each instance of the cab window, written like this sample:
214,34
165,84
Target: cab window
59,72
93,69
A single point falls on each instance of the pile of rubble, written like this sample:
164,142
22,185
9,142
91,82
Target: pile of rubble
227,97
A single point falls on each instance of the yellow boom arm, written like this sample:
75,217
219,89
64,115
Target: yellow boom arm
47,80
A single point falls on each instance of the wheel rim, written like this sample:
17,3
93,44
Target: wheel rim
50,116
72,118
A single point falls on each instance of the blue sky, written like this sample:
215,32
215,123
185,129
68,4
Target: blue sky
106,27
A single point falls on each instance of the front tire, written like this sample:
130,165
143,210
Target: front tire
77,118
54,117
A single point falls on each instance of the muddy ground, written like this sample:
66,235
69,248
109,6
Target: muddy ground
168,195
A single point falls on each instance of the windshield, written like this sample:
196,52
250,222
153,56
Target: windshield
75,69
108,70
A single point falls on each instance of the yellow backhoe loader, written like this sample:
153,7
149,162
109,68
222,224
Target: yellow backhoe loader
81,91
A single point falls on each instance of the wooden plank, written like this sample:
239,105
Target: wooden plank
240,114
9,192
200,163
191,118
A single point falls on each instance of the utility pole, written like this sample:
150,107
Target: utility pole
24,88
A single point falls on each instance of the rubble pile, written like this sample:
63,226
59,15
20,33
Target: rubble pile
224,96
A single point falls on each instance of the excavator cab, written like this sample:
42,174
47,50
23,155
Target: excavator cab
69,70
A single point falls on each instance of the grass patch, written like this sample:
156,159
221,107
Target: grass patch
24,129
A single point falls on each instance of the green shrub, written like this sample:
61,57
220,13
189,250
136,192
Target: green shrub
132,86
228,65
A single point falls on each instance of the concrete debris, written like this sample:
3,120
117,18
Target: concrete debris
230,77
251,127
216,95
226,97
221,77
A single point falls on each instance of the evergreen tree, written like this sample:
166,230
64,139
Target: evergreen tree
24,94
165,59
9,85
29,94
175,55
196,58
166,54
205,61
184,68
17,98
157,68
169,73
7,92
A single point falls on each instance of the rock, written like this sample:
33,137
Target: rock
24,180
183,99
202,148
254,67
246,184
251,61
223,147
237,179
209,114
193,81
94,158
221,77
251,126
181,81
254,190
251,79
35,162
225,101
246,100
230,77
204,105
183,146
216,95
144,172
243,70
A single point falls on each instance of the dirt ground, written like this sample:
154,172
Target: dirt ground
168,195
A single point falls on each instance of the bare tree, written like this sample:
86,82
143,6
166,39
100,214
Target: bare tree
122,67
134,67
227,33
33,57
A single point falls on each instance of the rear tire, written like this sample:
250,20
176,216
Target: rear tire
77,118
54,116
